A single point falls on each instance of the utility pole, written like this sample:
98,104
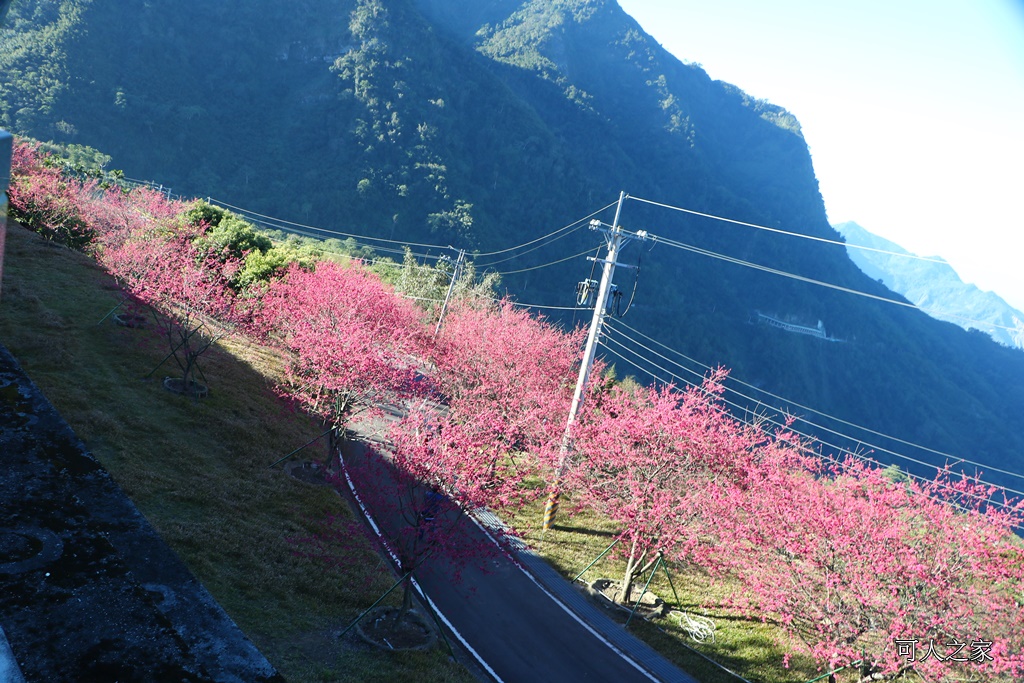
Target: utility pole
615,239
451,288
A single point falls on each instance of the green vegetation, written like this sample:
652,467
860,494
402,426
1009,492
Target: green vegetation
486,125
265,253
34,64
80,159
198,470
232,237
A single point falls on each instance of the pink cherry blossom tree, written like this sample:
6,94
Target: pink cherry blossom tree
507,378
643,456
187,291
116,214
45,200
351,343
895,576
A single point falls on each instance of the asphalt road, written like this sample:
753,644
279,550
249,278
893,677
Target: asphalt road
523,622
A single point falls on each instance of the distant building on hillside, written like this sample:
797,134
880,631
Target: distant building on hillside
793,328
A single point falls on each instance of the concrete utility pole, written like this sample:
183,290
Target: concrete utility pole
451,288
616,239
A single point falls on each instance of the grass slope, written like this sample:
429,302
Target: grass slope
198,470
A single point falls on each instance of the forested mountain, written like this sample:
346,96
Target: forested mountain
491,123
933,286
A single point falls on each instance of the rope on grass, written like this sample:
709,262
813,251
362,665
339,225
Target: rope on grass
700,629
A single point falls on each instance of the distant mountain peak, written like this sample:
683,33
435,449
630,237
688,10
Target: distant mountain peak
933,285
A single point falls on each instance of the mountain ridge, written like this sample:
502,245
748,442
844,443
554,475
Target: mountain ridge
424,121
934,286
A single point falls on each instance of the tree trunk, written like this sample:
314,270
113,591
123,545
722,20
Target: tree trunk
336,438
632,563
406,599
635,567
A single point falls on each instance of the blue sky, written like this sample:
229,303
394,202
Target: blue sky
913,111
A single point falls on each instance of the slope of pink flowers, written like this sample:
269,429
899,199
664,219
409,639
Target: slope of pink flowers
897,575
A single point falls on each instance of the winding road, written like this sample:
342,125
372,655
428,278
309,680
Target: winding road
521,621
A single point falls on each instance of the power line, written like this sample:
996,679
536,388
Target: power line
422,298
281,221
545,265
774,271
550,308
695,385
301,229
522,304
923,480
374,247
582,221
729,259
489,298
791,234
290,226
957,458
534,248
687,247
385,261
873,446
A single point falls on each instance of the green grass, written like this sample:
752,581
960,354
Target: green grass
198,470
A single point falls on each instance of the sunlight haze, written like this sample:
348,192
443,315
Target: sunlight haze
912,111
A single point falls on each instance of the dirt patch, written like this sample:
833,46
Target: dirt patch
176,385
133,320
311,473
603,593
383,629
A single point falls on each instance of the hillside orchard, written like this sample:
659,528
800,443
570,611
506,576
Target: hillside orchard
863,569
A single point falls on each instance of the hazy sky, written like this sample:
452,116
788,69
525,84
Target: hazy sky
913,111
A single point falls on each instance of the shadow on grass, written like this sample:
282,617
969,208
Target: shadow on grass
197,469
582,530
